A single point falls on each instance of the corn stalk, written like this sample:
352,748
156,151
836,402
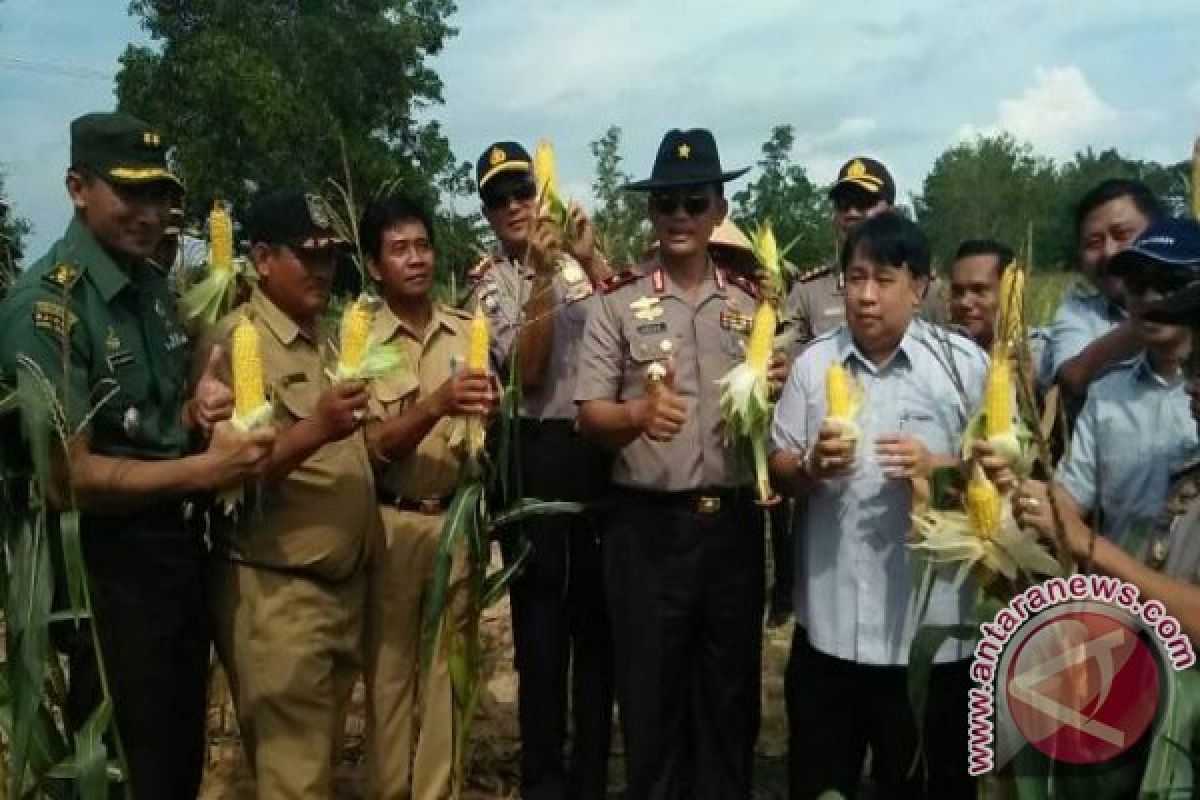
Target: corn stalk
43,758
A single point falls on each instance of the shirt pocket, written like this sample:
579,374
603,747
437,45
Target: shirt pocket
927,427
388,394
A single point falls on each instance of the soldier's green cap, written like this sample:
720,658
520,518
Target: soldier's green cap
121,148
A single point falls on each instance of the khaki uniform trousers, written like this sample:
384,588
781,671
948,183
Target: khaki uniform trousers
410,717
290,645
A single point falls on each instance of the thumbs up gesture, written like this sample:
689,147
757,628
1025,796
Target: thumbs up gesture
661,412
212,401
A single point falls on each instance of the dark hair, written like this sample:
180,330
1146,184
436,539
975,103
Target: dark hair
384,212
986,247
891,239
1112,189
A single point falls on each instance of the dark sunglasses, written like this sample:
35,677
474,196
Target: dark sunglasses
854,202
501,196
694,202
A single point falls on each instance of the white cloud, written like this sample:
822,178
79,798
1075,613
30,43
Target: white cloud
1059,113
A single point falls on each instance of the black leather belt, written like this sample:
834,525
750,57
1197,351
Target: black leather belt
428,505
704,502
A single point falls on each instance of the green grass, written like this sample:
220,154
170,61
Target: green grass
1044,294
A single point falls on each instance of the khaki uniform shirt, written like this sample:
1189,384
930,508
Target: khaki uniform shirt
318,518
815,305
432,469
706,335
504,289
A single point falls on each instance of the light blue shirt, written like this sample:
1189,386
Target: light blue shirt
855,579
1134,431
1084,317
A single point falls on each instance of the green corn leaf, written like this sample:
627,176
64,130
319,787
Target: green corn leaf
72,551
529,507
91,756
925,644
462,514
496,583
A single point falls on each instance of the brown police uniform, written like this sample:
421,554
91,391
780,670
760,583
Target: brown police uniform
816,304
413,493
560,623
683,544
289,581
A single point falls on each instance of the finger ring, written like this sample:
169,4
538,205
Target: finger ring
1031,503
359,415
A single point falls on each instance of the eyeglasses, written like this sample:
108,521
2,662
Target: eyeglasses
695,202
855,202
500,197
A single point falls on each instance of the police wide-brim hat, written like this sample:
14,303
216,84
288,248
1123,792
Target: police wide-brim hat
502,158
120,148
867,174
686,158
300,220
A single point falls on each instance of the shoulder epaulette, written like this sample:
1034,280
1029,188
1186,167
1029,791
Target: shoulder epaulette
812,273
63,276
461,313
743,282
475,273
617,280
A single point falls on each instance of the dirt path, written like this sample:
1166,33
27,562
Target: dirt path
494,766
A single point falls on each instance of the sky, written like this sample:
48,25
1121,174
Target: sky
901,80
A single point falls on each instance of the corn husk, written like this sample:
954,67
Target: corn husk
982,537
361,355
745,393
212,296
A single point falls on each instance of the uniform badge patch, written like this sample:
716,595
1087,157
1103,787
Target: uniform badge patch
646,308
54,317
734,320
63,276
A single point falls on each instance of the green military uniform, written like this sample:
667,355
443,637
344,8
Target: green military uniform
104,332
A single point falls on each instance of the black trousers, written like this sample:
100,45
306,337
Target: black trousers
147,584
837,708
560,622
685,591
782,556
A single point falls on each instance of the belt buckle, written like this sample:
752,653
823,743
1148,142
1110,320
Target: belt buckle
708,504
430,506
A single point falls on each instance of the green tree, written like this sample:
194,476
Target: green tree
266,93
783,194
620,216
991,187
13,230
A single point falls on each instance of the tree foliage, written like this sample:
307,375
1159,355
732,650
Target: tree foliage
620,216
13,230
782,193
263,93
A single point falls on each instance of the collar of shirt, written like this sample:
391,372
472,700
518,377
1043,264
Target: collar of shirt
1143,371
663,283
283,326
388,324
903,356
104,272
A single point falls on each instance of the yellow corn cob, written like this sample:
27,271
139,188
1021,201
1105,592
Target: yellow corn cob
762,335
544,170
837,392
248,392
997,398
1012,300
356,328
983,505
220,238
477,343
1196,179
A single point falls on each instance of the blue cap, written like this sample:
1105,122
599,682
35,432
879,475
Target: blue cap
1167,245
